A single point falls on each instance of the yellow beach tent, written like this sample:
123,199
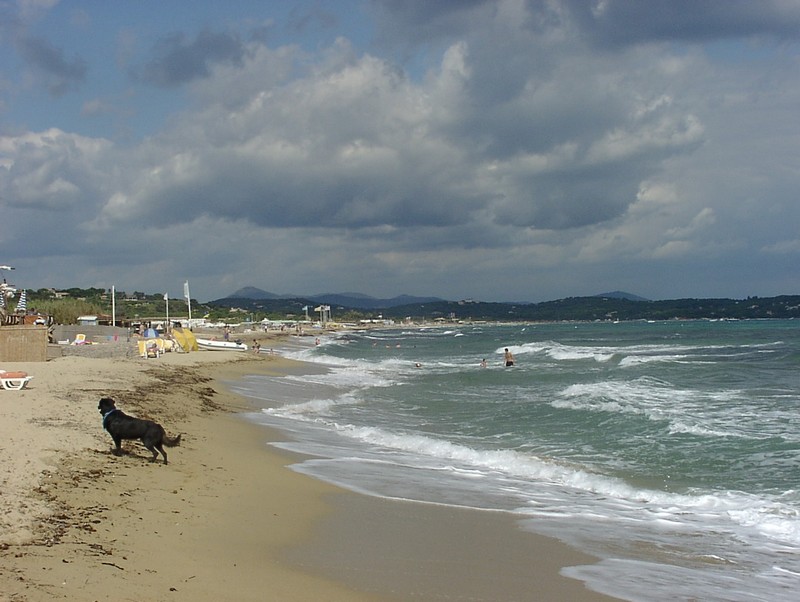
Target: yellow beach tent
185,339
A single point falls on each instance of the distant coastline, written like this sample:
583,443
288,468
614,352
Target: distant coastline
596,308
256,305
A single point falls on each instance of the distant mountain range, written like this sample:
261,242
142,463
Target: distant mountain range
621,295
616,305
362,301
354,300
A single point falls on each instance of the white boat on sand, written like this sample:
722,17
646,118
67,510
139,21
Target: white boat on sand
215,345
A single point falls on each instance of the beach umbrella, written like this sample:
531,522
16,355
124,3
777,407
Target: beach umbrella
150,333
22,306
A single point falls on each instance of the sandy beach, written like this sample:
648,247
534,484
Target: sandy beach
226,519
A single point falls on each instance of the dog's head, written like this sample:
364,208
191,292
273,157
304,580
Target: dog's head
106,405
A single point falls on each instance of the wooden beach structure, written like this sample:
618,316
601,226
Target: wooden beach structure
23,338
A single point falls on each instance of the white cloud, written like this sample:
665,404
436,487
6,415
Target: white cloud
538,142
784,247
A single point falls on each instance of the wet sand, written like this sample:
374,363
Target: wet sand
227,519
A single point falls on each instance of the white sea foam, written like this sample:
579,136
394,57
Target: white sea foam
633,355
313,409
351,376
636,360
560,352
524,441
529,476
688,411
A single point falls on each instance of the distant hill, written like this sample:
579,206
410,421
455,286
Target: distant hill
622,295
362,301
607,307
354,300
251,292
367,302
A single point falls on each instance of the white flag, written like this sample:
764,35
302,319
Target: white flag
166,297
186,289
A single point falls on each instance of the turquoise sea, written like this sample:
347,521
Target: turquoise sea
670,450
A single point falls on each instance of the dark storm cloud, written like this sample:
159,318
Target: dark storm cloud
624,22
177,60
59,73
563,201
276,193
481,148
355,143
614,22
300,21
419,15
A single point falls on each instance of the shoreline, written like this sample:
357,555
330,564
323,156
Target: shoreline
413,551
94,526
224,517
410,550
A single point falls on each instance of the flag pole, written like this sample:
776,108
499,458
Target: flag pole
188,301
113,306
166,299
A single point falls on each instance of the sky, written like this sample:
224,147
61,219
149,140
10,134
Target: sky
495,150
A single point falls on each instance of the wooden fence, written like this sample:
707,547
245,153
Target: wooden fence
22,344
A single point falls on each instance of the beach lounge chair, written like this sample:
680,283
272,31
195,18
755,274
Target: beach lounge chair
14,381
149,348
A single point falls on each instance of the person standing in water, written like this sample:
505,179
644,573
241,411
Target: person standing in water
509,357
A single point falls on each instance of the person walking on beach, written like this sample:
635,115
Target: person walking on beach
509,357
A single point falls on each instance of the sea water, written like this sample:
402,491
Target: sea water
670,450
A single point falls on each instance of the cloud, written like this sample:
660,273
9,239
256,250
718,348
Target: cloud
31,10
51,170
59,74
417,20
784,247
353,142
177,60
344,146
302,19
97,106
520,158
611,22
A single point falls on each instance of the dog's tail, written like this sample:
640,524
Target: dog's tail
171,442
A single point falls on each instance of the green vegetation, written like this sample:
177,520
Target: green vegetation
64,311
66,306
573,308
610,309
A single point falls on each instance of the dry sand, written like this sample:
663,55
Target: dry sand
226,519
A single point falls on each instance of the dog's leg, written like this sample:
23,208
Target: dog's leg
160,448
118,446
153,451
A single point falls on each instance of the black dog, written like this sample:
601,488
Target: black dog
121,426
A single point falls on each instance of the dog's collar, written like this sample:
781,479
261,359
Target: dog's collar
106,415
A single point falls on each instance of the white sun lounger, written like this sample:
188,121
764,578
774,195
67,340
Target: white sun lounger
14,383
